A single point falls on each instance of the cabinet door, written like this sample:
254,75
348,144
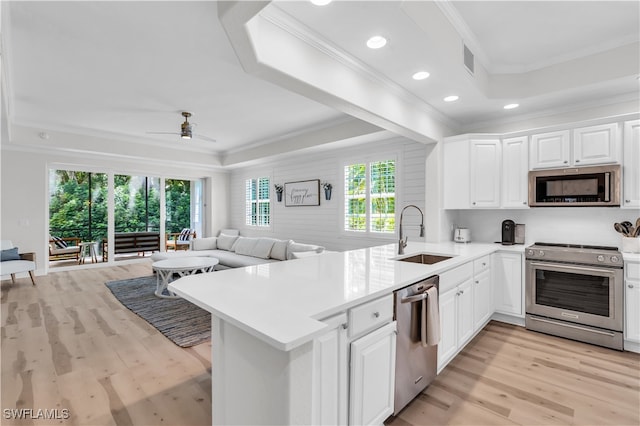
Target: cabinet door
330,378
485,173
515,173
595,145
482,306
373,376
465,312
448,338
549,150
631,165
508,285
456,174
632,311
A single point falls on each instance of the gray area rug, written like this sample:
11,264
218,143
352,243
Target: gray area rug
181,321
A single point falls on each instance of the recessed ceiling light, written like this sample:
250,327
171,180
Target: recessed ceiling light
421,75
376,42
511,106
320,2
451,98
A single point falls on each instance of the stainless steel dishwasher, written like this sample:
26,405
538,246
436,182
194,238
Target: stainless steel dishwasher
416,360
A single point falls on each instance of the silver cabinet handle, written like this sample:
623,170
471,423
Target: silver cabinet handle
477,282
565,161
484,264
474,203
345,326
577,161
630,285
461,291
524,203
376,314
627,201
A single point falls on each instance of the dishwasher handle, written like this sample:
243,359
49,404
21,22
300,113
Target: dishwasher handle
414,298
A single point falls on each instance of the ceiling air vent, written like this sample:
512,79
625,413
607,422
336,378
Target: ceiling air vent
468,59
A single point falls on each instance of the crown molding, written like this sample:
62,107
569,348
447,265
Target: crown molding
288,23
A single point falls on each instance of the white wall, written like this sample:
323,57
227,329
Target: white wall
24,186
323,224
572,225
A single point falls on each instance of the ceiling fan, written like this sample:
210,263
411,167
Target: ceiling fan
186,130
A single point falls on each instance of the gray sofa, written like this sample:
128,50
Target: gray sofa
234,251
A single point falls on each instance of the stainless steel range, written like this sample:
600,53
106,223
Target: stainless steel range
575,291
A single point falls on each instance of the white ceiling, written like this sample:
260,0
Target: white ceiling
128,68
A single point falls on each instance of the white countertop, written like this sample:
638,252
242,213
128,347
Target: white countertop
281,303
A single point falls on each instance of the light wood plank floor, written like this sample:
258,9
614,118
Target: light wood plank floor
67,343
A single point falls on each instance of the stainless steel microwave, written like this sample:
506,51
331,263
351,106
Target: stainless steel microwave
575,186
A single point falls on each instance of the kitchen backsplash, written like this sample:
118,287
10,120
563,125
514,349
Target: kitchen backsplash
574,225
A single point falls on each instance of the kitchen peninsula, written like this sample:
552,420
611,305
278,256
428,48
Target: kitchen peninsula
280,332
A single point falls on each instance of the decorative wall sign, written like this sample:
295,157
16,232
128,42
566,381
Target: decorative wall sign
303,193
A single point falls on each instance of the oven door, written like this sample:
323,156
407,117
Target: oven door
575,293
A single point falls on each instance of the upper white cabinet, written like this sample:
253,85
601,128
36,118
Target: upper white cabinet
472,168
582,147
548,150
595,145
631,165
515,173
485,173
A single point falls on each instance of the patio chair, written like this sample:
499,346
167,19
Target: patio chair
180,240
64,248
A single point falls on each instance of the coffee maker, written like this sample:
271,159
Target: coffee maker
508,232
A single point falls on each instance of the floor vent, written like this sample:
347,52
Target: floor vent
468,59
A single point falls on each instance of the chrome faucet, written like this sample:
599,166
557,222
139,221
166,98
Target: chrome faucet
402,243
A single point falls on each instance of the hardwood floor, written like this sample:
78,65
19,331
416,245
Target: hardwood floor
508,375
67,343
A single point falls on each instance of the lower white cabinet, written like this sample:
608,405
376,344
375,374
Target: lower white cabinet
456,312
372,376
632,302
482,300
330,379
507,283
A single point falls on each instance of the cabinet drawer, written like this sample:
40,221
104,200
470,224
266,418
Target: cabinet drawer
370,315
450,279
632,270
481,265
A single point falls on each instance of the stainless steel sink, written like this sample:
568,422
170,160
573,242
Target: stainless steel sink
425,259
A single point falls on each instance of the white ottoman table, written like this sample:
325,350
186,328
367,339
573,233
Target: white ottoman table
181,266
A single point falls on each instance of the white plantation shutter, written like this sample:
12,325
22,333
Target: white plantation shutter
369,197
258,204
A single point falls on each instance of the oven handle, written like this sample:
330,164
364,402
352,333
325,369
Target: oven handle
577,327
581,268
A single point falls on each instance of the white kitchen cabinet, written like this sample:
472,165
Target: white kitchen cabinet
482,294
549,150
515,173
631,165
372,381
507,280
472,170
485,173
595,145
632,302
456,312
330,378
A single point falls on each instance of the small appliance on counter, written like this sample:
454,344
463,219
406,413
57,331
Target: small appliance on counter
508,232
462,235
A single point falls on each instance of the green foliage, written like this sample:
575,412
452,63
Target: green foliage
178,204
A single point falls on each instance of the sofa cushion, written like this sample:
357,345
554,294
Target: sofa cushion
209,243
16,266
244,245
235,260
279,249
232,232
263,247
9,254
303,254
225,242
294,247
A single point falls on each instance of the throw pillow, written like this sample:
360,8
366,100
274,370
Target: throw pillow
185,234
208,243
9,254
294,247
231,232
244,245
279,249
225,242
59,242
263,247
